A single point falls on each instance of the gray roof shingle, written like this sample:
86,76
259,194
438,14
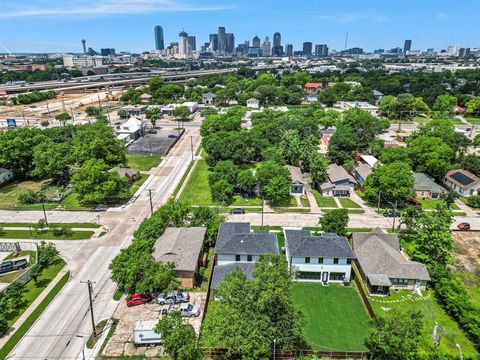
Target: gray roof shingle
220,271
236,239
301,243
423,182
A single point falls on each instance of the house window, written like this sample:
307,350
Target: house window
307,260
320,260
335,260
349,261
400,282
334,276
237,257
309,275
249,257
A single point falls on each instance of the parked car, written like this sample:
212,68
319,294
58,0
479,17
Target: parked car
390,213
11,265
152,131
463,226
138,299
239,211
174,297
415,202
185,309
172,136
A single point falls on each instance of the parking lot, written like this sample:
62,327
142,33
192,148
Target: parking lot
121,343
158,144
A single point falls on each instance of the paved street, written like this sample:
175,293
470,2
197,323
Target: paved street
62,330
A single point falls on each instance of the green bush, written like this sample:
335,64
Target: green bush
474,201
28,197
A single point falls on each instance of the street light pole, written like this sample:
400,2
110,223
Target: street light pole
151,204
191,145
274,347
44,213
90,290
263,202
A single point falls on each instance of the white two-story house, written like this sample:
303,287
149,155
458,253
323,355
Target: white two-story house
326,258
239,248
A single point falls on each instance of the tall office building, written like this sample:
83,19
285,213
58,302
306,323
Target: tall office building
453,50
464,52
107,52
307,48
229,43
321,50
183,47
214,42
277,49
222,39
289,50
407,46
84,46
256,42
192,43
159,42
266,47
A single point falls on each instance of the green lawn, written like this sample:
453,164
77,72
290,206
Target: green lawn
318,229
430,204
9,193
305,202
136,185
336,318
142,162
324,201
348,203
432,311
45,235
471,281
182,180
472,120
72,225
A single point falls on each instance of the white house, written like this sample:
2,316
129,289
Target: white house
5,176
362,105
253,103
326,258
463,182
133,127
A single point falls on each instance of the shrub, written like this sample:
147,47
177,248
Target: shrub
44,123
28,197
474,201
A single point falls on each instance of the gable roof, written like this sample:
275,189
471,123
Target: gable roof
301,243
363,170
313,85
462,178
181,246
379,255
236,239
423,182
220,271
295,174
369,160
337,173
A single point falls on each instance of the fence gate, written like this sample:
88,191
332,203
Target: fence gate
9,247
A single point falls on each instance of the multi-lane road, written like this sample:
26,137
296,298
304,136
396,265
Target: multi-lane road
62,330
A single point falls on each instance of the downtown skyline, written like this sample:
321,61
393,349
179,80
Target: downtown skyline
51,26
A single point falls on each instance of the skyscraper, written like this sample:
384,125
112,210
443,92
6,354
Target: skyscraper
289,50
321,50
159,43
214,42
256,42
192,43
277,49
307,48
266,47
183,47
230,43
222,39
84,46
407,46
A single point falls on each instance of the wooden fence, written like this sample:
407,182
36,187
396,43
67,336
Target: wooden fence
359,282
219,353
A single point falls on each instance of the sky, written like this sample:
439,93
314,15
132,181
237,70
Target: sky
57,26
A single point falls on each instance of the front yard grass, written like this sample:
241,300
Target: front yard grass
430,204
44,235
9,193
304,201
324,201
72,225
432,312
335,316
142,162
349,203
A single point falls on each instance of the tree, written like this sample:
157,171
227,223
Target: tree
364,125
52,160
222,192
318,167
342,145
156,275
63,117
471,163
182,112
388,107
35,273
246,180
277,191
123,114
268,170
93,183
291,147
47,254
226,170
444,129
395,336
473,107
273,153
92,110
449,197
444,104
391,182
178,338
394,154
376,147
431,155
335,221
3,324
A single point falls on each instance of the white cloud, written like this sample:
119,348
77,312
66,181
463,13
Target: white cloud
96,8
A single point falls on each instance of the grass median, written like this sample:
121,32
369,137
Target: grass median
44,235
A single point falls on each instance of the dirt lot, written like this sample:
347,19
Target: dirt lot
121,341
467,249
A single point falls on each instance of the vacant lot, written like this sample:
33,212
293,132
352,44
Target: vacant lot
336,318
142,162
9,193
432,312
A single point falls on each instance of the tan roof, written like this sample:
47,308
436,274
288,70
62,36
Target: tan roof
181,246
295,173
337,173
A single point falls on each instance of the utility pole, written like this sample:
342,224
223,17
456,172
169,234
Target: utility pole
90,291
274,347
191,145
44,213
263,202
151,204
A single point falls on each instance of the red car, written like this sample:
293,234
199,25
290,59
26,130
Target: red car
415,202
138,299
463,226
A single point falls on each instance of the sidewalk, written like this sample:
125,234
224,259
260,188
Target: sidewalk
33,306
465,208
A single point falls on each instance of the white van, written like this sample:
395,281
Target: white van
144,333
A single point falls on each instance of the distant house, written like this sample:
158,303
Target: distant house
253,104
425,187
208,98
378,97
131,174
313,87
382,265
339,182
463,182
182,246
364,167
133,127
238,247
310,98
135,110
326,258
326,134
458,109
298,182
145,98
6,176
168,109
362,105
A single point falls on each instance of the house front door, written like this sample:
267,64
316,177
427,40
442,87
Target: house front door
417,284
325,277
